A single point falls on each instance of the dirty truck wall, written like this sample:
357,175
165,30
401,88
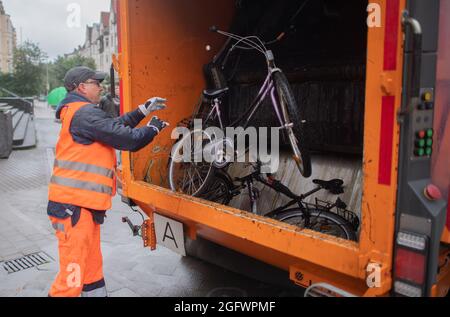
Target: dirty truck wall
167,55
166,59
163,49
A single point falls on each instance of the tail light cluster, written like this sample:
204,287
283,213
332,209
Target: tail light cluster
410,264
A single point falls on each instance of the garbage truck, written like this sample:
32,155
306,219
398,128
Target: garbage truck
372,82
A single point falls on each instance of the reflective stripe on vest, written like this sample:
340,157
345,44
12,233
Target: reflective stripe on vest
83,175
70,182
83,167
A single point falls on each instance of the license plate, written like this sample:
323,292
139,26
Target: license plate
169,233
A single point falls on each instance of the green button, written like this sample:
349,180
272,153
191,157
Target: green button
420,143
428,151
429,142
419,152
429,133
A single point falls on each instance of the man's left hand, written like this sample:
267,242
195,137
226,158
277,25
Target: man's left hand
153,104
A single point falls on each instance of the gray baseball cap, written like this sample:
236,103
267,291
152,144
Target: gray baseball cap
80,74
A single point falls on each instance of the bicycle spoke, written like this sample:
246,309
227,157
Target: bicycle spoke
200,177
190,182
185,184
184,178
193,182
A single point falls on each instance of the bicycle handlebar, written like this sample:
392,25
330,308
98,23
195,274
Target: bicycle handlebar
251,42
257,44
278,38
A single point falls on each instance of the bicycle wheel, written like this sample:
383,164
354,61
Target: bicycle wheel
320,220
219,189
291,114
186,175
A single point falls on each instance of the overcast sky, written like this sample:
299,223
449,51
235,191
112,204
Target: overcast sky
53,23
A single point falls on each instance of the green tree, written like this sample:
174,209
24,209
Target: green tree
28,76
59,68
6,81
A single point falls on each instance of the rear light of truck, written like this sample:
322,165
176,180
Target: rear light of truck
412,241
407,290
410,264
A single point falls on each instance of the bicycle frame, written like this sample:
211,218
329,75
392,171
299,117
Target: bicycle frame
266,89
279,188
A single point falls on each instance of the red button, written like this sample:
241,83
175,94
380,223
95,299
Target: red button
432,192
421,134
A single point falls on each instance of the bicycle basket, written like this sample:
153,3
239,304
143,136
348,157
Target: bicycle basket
348,215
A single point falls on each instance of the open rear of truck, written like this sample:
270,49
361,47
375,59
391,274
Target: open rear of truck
369,79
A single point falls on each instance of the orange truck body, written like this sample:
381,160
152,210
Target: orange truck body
162,50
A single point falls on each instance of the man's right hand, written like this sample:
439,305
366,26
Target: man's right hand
157,124
152,104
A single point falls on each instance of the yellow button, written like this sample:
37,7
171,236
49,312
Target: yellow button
427,96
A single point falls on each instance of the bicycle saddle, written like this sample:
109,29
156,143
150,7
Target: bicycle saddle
215,92
334,185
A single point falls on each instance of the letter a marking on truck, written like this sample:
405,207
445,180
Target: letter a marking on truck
171,237
170,233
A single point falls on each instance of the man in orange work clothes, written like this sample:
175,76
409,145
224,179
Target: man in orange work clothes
83,179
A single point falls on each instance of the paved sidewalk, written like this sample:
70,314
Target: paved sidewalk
130,270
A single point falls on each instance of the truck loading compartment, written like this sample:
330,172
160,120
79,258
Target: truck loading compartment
346,76
326,70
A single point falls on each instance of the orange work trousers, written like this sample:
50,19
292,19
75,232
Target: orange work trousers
80,258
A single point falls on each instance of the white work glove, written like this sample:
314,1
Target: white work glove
157,124
153,104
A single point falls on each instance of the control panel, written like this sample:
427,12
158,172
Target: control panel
422,125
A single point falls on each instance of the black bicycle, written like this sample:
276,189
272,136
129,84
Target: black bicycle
190,176
329,218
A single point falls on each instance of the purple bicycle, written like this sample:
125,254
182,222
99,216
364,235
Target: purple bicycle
192,177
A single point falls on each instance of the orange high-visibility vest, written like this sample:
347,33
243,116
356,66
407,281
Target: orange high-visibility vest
83,175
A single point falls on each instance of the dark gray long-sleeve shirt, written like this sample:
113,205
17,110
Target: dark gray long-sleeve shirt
91,124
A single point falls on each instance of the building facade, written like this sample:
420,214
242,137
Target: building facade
101,39
7,42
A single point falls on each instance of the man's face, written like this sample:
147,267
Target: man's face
91,89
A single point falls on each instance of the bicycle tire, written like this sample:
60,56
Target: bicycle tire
219,188
291,114
289,216
171,166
